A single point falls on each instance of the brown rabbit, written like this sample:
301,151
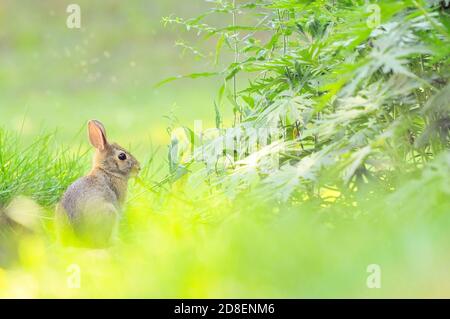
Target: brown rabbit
89,210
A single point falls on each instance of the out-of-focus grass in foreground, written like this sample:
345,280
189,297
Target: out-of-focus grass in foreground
173,246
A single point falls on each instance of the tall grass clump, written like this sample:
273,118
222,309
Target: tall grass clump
32,179
39,170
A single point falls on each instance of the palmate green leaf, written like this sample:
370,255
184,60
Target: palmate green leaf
437,111
281,184
356,160
249,171
368,107
390,54
288,107
433,184
439,103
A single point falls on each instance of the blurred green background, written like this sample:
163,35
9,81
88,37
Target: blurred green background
55,77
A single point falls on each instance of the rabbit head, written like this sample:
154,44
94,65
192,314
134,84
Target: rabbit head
111,157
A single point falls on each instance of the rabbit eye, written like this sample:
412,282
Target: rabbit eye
122,156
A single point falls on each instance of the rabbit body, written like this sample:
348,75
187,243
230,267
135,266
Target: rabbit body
89,210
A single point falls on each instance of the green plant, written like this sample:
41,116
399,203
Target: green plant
354,103
38,170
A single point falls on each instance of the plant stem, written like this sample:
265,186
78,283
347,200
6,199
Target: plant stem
236,59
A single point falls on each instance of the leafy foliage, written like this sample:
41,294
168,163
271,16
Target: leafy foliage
356,97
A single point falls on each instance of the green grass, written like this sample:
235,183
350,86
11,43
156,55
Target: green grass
174,245
170,250
37,170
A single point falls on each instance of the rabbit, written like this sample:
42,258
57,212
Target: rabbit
89,210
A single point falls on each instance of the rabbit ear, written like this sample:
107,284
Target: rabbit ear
97,135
